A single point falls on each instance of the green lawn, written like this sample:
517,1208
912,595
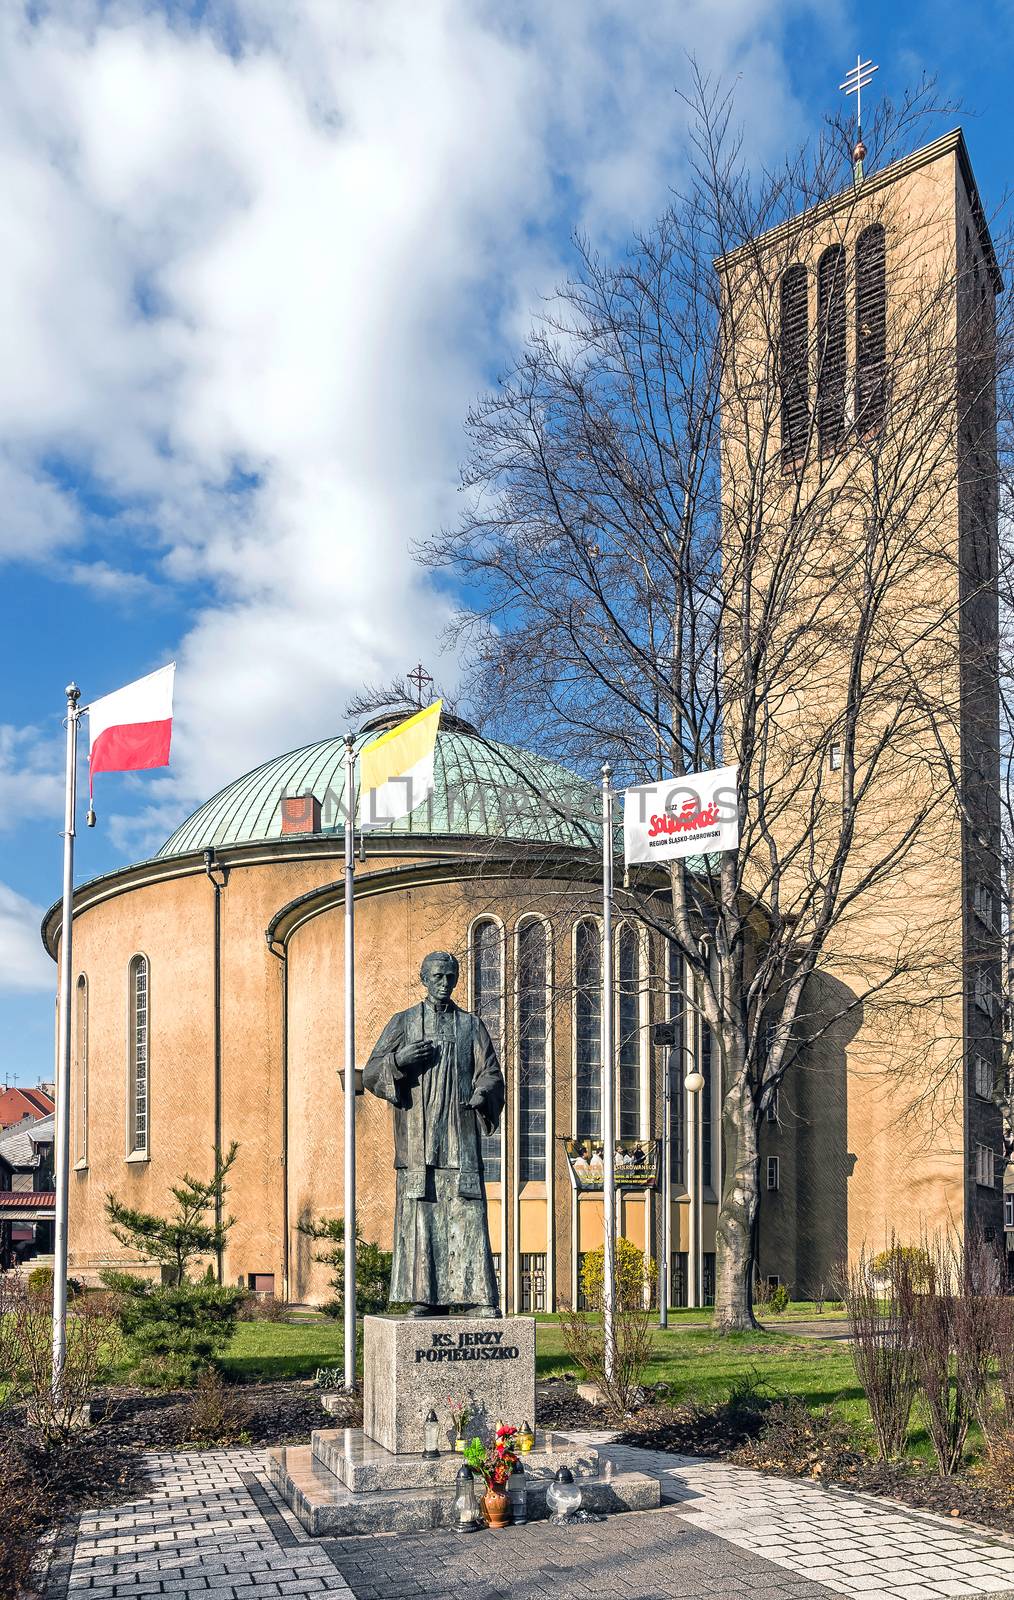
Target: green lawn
702,1366
698,1363
283,1349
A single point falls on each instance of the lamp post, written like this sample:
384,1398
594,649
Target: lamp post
693,1083
664,1037
608,1084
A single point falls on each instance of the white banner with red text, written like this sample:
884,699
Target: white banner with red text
694,815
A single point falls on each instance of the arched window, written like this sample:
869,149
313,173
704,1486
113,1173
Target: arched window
871,329
677,1122
81,1069
629,1020
831,355
793,362
137,1088
588,1031
487,1003
532,1020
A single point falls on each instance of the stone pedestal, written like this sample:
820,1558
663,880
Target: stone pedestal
411,1364
343,1484
376,1479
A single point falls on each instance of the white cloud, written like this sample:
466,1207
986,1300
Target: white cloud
31,776
262,263
24,965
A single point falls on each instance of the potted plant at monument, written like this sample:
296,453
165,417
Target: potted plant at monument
495,1463
461,1411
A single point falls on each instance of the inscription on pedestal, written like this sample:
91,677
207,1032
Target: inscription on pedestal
412,1364
478,1345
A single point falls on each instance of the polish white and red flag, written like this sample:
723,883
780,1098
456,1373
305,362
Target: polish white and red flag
131,729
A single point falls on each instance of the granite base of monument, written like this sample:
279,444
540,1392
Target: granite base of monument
412,1364
376,1479
344,1484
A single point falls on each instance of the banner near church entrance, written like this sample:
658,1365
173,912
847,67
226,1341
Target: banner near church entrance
636,1163
694,815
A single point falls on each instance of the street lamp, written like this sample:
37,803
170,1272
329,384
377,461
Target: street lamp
664,1038
693,1083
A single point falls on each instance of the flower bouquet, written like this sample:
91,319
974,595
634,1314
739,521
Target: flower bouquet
461,1411
495,1463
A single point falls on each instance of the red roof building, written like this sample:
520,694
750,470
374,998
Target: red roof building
17,1104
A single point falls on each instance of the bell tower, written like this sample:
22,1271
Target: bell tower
878,308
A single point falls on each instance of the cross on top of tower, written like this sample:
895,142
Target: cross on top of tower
856,80
420,678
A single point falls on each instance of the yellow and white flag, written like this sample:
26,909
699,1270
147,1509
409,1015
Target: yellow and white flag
396,770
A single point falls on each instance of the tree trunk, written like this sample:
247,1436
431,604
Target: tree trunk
740,1199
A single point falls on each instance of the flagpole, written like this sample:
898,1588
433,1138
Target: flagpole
350,1065
608,1132
61,1163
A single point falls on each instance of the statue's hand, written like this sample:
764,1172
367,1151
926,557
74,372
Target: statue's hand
415,1056
477,1102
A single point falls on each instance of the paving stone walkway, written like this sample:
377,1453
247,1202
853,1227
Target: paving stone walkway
212,1527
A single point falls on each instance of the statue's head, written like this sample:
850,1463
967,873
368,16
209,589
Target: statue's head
439,973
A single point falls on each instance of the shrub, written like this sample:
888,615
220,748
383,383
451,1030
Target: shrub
635,1277
999,1470
373,1267
882,1344
214,1415
952,1340
329,1377
40,1281
172,1330
584,1334
779,1301
909,1262
261,1308
26,1356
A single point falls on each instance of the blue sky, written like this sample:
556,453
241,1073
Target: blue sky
256,260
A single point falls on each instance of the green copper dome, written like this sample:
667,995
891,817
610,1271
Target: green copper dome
481,789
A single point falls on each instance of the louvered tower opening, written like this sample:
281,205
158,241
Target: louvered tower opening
793,363
831,354
871,330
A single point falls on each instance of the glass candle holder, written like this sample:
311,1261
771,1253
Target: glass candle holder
431,1437
466,1511
563,1497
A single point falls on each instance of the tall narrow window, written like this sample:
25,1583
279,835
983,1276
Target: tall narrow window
533,1282
707,1056
793,363
871,330
532,1052
831,356
487,1003
588,1031
677,1124
629,1019
137,1111
81,1069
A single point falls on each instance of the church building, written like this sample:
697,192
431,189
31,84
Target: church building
208,980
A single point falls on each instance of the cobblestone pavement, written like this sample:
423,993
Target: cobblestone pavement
212,1527
209,1527
851,1543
